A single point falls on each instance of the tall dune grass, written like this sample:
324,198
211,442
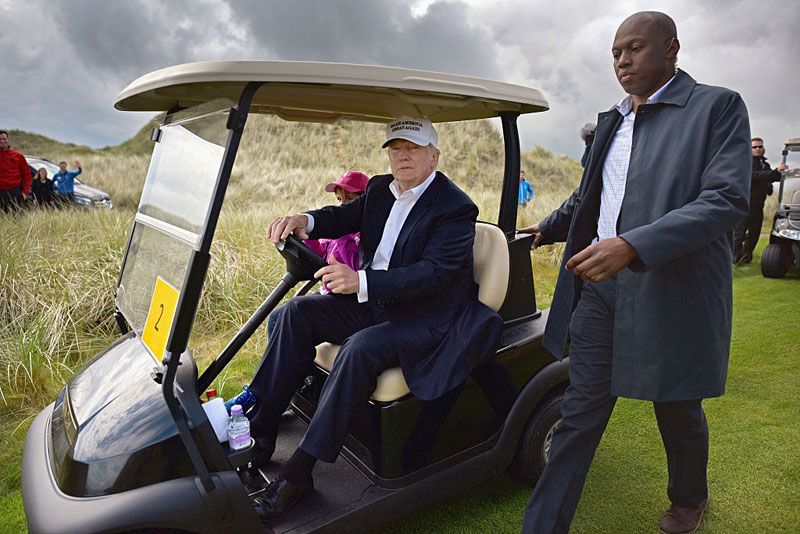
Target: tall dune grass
58,269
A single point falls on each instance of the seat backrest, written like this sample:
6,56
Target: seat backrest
490,264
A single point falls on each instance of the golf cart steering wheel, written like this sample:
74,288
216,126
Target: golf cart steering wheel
301,261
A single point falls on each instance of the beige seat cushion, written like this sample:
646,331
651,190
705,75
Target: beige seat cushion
490,264
391,383
490,271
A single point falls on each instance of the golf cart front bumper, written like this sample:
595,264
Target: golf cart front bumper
172,504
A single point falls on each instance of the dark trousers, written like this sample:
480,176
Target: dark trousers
368,348
587,407
747,232
11,199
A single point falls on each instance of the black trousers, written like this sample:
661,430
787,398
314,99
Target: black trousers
11,199
747,232
368,348
587,407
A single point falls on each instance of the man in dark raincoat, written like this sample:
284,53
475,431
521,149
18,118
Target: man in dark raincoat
644,294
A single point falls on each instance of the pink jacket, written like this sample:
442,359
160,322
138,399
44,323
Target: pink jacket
344,249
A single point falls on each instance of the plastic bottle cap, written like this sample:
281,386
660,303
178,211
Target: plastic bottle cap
236,409
211,393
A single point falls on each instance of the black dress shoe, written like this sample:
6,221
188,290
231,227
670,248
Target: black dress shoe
279,496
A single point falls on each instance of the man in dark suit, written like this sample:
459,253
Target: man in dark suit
412,304
747,232
645,290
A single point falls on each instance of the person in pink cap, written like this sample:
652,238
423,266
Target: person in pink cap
347,187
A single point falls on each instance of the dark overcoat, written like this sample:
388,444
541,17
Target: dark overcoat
687,186
428,292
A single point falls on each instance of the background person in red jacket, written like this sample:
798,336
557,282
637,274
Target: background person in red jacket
15,178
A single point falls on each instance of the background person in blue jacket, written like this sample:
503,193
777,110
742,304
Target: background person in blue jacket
525,190
645,293
64,180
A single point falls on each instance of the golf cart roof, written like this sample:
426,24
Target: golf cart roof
793,144
327,92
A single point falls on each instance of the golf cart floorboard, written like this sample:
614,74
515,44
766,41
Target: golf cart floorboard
339,489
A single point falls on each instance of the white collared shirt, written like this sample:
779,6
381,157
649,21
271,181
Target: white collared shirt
404,202
615,166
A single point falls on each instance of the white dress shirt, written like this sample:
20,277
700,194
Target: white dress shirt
404,202
615,167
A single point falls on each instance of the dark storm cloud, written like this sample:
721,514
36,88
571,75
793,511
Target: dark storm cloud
123,38
382,32
91,49
64,62
748,47
79,54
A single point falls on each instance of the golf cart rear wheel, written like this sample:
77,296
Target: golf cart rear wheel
533,450
775,261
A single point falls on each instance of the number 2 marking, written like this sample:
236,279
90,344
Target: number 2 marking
160,315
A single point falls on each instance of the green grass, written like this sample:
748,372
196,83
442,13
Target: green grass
754,466
755,438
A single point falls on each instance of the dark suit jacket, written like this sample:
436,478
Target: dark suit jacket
687,186
428,292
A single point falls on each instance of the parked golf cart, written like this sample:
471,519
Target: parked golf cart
127,446
783,250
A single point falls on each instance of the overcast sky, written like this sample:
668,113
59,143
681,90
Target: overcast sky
63,61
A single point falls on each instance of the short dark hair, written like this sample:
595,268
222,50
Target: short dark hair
4,132
62,162
665,24
756,139
662,22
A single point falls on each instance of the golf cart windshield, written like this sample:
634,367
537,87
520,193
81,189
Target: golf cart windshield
173,213
793,159
789,197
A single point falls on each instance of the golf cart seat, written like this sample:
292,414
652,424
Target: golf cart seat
490,271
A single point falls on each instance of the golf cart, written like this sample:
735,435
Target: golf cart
127,446
783,250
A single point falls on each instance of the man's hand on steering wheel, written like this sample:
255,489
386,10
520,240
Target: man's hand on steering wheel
281,227
339,277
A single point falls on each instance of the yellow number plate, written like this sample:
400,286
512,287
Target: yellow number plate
159,318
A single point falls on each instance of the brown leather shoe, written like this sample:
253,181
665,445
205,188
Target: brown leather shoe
682,519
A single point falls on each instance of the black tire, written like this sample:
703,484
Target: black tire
775,261
534,444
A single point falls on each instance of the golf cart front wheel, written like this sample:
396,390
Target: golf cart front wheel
775,261
533,451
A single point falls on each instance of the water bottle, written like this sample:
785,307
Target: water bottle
238,429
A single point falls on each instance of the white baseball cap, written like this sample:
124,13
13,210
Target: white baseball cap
418,130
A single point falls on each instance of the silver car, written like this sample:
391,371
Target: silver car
85,196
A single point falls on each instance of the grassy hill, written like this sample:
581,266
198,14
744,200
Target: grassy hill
32,144
287,159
